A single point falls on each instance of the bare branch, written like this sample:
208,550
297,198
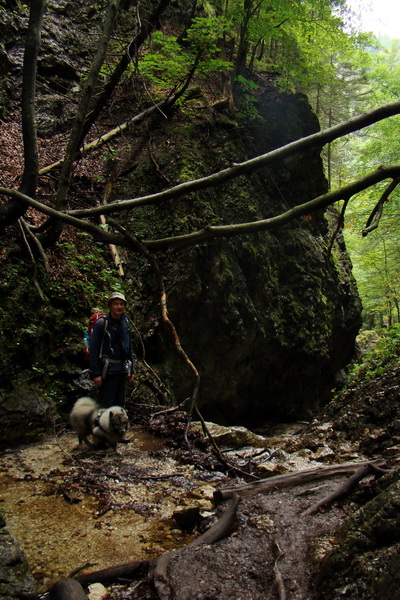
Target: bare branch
99,234
210,232
338,227
37,244
86,96
376,214
113,133
51,235
146,27
315,140
24,230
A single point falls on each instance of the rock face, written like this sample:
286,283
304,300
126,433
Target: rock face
16,580
365,563
268,319
23,414
65,44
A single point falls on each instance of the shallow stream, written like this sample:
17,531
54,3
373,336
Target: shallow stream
68,507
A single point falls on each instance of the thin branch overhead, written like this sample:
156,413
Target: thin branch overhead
316,140
209,232
77,218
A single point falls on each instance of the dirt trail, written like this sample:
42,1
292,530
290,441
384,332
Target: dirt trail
273,541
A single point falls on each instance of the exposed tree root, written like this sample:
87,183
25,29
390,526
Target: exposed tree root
129,570
159,571
346,487
291,479
278,581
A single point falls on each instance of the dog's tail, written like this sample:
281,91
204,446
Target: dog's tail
82,414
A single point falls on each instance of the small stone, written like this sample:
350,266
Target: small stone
97,591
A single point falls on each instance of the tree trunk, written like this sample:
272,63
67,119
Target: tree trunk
14,209
52,235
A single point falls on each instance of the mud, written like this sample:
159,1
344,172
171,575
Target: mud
273,541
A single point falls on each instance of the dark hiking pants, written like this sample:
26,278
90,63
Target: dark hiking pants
112,390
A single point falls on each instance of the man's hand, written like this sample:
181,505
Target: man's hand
98,381
131,377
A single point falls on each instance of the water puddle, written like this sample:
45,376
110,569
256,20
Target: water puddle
68,507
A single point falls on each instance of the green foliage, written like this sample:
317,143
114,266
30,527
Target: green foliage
376,256
383,352
204,34
247,109
84,273
295,41
167,62
164,64
41,345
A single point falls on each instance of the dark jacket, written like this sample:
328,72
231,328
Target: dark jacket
111,339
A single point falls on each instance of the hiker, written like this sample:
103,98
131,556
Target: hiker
111,356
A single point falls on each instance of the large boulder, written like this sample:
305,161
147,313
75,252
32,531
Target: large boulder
268,319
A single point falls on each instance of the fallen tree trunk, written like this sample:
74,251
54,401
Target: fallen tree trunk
119,130
291,479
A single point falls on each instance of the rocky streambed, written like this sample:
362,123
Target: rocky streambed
68,507
72,510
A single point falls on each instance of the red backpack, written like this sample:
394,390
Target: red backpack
87,336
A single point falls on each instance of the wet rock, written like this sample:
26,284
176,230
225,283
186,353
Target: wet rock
67,589
16,580
324,453
235,437
97,591
23,415
366,562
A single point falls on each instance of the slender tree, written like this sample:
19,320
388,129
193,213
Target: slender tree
14,209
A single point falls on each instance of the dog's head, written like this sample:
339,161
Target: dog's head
119,422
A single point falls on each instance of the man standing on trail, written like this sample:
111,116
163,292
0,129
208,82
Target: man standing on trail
111,356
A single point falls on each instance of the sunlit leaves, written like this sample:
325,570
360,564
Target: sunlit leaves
376,258
293,40
168,60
